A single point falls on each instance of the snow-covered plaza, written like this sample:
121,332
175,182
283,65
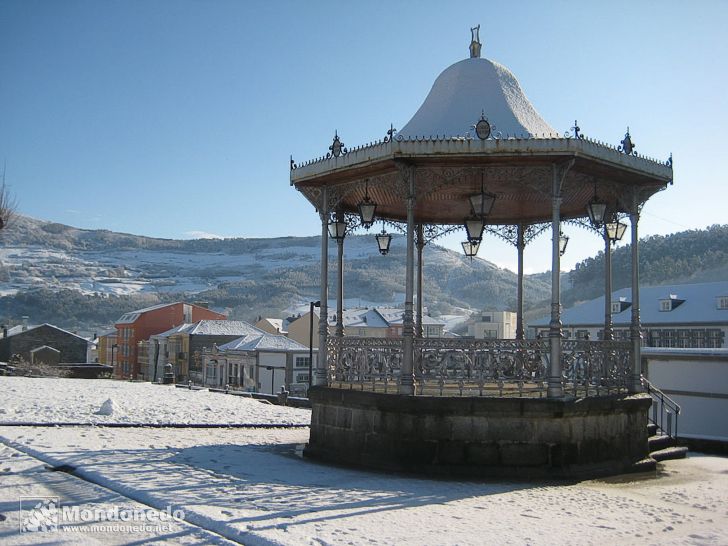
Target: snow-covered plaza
249,485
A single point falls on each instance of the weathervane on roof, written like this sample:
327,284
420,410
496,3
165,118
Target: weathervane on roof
475,42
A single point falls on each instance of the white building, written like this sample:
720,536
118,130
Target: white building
493,325
258,363
682,316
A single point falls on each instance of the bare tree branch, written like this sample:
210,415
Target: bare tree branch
8,205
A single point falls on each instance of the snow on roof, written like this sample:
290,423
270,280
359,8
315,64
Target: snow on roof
276,323
263,342
465,90
700,306
14,331
130,317
374,317
223,328
214,328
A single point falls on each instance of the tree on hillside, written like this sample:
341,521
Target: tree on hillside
7,205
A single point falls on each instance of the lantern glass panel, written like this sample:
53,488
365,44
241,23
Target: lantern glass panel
474,228
367,209
383,241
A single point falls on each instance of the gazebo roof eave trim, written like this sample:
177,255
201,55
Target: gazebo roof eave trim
502,148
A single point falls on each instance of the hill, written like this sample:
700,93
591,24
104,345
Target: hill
81,279
684,257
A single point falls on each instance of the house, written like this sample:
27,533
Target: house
139,325
493,325
385,322
182,346
259,362
681,315
272,326
106,349
43,343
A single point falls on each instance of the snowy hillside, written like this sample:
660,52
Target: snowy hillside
46,267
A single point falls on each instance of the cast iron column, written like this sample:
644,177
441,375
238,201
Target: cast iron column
321,378
420,281
635,383
608,332
340,282
520,244
555,388
407,385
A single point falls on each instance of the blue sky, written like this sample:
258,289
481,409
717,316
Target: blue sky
177,118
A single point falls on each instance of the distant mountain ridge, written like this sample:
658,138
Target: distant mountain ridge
77,278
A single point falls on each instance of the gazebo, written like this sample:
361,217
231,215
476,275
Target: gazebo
477,156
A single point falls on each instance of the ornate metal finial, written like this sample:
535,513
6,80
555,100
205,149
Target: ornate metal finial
337,147
475,44
627,145
483,127
576,129
669,160
390,133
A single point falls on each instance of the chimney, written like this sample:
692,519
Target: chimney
25,322
5,331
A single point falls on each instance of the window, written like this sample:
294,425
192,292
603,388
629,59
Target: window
302,378
616,307
487,318
582,334
723,302
302,361
665,305
490,334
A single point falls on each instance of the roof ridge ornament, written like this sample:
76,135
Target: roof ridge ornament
475,44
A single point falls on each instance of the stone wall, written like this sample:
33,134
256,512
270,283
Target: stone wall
479,436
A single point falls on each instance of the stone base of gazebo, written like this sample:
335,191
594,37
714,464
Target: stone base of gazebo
481,436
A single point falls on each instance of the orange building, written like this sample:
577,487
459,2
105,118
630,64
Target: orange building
138,325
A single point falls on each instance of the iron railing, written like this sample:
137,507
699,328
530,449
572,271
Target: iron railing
665,411
475,367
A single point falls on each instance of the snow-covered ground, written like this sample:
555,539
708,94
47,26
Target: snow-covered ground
249,485
49,400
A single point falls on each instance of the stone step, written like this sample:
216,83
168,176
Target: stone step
645,465
660,441
669,453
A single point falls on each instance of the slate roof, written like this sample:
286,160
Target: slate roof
699,307
263,342
17,330
214,328
375,317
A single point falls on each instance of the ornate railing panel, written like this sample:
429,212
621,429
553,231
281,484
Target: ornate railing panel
477,367
369,363
595,367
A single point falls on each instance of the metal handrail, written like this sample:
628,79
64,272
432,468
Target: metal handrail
667,408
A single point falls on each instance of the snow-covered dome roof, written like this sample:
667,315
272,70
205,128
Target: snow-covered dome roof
468,89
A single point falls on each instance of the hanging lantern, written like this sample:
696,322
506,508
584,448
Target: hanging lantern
597,209
367,209
470,248
474,228
482,203
615,230
384,239
337,228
